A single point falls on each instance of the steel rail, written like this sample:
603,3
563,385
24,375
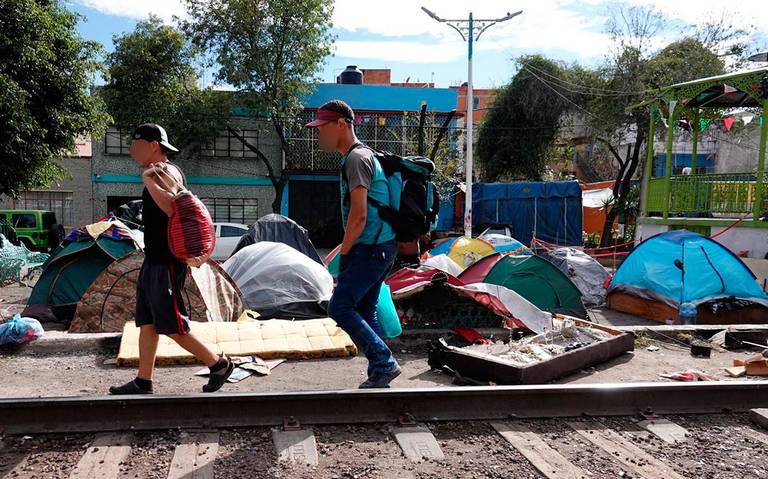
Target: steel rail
122,413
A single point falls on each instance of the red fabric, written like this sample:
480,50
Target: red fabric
471,335
191,233
477,272
405,277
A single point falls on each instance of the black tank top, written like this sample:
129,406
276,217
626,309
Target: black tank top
156,249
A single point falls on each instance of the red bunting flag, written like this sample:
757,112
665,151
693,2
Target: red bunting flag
728,122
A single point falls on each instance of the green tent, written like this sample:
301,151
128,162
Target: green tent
533,278
68,273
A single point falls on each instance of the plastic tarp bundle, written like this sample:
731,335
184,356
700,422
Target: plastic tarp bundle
683,267
516,311
552,209
278,281
586,273
279,229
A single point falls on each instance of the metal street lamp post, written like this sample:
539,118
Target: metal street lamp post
470,31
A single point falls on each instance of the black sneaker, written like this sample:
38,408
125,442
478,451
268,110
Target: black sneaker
129,388
381,380
217,378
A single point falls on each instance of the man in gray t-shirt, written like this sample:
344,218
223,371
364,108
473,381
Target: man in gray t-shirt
368,250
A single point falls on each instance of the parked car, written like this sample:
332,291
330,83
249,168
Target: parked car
37,229
227,237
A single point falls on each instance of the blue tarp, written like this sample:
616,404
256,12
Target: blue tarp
445,214
552,209
711,271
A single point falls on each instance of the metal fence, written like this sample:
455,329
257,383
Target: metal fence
722,194
397,133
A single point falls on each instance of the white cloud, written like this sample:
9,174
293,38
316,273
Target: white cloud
138,9
545,25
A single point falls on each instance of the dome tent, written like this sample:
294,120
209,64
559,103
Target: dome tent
533,278
70,270
278,281
678,267
279,229
586,273
209,295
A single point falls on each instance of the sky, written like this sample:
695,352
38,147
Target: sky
396,34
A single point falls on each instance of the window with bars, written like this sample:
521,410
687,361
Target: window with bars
59,202
117,142
233,210
227,146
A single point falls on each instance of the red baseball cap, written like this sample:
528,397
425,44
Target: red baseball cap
331,112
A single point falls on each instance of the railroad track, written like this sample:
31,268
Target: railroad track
655,430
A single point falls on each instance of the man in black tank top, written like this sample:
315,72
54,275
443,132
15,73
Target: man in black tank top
159,306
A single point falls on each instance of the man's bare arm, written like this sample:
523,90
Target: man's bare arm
358,211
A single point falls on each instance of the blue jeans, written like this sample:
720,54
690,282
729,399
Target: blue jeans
353,305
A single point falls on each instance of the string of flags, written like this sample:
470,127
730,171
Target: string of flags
727,122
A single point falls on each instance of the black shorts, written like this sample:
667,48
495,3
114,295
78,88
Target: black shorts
159,297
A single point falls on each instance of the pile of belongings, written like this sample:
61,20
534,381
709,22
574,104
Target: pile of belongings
542,347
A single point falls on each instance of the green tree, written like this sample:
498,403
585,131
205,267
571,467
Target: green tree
151,78
46,72
270,51
523,121
634,69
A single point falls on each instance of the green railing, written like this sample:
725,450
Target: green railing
727,193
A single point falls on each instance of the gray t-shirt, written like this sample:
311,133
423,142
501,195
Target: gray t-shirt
358,168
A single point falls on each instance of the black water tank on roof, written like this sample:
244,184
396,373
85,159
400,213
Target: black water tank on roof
351,76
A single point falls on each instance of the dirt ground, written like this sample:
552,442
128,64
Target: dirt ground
86,374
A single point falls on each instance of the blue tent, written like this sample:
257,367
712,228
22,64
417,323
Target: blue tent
681,267
551,209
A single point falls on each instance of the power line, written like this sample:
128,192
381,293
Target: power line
586,87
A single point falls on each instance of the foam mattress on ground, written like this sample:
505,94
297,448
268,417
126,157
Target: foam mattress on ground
275,338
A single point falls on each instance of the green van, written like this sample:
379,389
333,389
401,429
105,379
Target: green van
37,229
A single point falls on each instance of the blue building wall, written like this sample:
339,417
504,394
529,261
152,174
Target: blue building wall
384,97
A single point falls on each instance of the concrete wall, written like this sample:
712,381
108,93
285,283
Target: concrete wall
208,177
78,182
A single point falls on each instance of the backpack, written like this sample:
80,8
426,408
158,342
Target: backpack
191,232
411,200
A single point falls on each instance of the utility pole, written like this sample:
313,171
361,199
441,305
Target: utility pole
467,29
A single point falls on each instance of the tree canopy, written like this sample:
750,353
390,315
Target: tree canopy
152,78
46,73
270,51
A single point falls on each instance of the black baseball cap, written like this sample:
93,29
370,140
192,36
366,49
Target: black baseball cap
153,132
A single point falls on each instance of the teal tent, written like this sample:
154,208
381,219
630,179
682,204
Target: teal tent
68,273
684,267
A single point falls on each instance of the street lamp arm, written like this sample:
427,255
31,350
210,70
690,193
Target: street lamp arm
484,28
458,29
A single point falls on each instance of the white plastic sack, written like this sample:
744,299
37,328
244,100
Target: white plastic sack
443,263
274,274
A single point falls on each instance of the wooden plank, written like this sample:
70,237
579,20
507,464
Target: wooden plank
620,449
195,456
417,443
296,446
759,417
102,459
546,460
756,435
665,430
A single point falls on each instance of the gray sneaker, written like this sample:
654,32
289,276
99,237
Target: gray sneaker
381,380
